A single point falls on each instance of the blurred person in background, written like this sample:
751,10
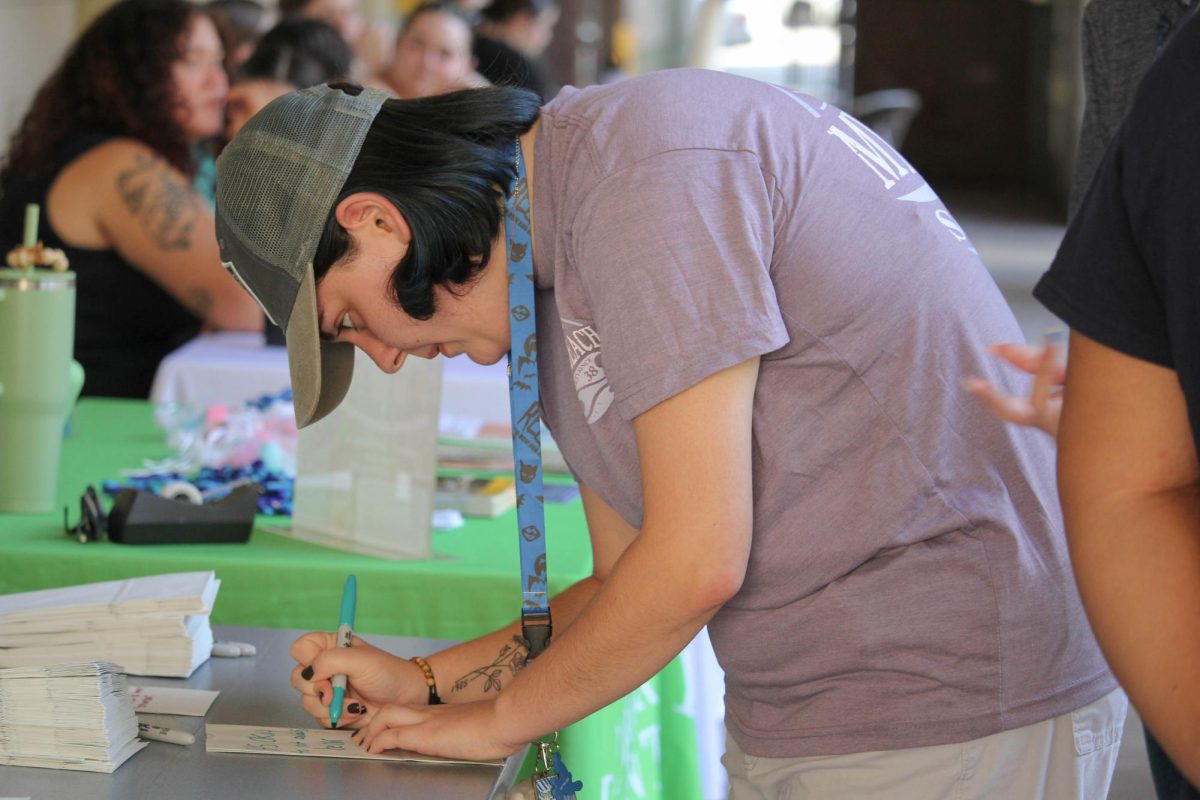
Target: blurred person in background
510,37
370,41
433,53
1120,40
240,23
471,8
295,54
108,151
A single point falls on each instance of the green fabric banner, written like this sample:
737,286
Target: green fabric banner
642,746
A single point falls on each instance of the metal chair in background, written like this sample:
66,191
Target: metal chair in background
888,112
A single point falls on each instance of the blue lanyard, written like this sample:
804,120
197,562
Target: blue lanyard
526,412
524,403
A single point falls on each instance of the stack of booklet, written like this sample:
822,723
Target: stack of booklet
67,716
156,625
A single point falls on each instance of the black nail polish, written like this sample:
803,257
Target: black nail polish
321,696
307,673
355,708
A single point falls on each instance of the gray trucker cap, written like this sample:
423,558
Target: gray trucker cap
277,181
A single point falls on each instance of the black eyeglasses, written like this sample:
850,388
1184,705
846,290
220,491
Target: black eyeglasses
92,522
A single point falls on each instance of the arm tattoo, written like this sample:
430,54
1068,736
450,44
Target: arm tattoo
509,661
165,206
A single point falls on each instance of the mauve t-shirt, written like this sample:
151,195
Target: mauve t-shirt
908,582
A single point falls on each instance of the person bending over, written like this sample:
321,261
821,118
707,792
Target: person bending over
751,318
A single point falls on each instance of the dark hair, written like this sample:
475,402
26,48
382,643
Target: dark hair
302,52
445,163
439,7
239,22
502,10
289,7
116,78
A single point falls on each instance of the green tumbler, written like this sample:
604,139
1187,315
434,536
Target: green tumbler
39,383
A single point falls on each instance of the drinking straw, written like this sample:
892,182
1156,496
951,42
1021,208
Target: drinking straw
31,224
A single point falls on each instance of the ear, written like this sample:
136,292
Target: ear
370,213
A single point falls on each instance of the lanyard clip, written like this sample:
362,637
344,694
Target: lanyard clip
551,778
536,630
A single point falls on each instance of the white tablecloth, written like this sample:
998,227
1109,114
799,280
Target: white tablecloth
230,368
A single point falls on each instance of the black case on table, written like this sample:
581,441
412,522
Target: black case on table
140,517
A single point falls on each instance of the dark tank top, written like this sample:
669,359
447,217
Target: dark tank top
125,323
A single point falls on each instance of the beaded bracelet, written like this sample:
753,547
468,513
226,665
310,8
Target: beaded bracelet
434,700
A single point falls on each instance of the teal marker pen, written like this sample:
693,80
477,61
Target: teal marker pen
344,632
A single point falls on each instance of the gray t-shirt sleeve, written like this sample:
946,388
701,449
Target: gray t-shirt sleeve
674,254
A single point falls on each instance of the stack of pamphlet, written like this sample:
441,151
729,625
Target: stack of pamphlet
67,716
154,625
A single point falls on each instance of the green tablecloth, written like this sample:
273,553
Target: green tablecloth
639,747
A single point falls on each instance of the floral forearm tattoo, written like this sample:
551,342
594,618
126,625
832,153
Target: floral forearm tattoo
509,661
166,207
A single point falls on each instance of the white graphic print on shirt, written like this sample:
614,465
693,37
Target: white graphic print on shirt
583,348
888,165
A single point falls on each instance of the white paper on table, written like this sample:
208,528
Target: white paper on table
183,592
309,742
172,700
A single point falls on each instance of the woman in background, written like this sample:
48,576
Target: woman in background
433,53
107,149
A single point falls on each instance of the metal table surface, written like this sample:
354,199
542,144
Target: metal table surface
255,690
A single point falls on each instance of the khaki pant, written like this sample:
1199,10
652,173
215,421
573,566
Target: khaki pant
1070,757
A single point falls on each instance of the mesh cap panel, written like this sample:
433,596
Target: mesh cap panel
277,181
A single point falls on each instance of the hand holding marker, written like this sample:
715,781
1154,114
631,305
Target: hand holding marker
344,634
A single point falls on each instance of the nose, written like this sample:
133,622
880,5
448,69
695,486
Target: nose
387,358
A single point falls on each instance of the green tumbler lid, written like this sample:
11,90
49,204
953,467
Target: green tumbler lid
32,280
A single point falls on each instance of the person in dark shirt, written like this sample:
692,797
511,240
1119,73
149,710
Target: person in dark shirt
1125,279
108,150
510,37
1121,39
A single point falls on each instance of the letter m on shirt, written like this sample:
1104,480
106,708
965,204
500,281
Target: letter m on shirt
871,150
